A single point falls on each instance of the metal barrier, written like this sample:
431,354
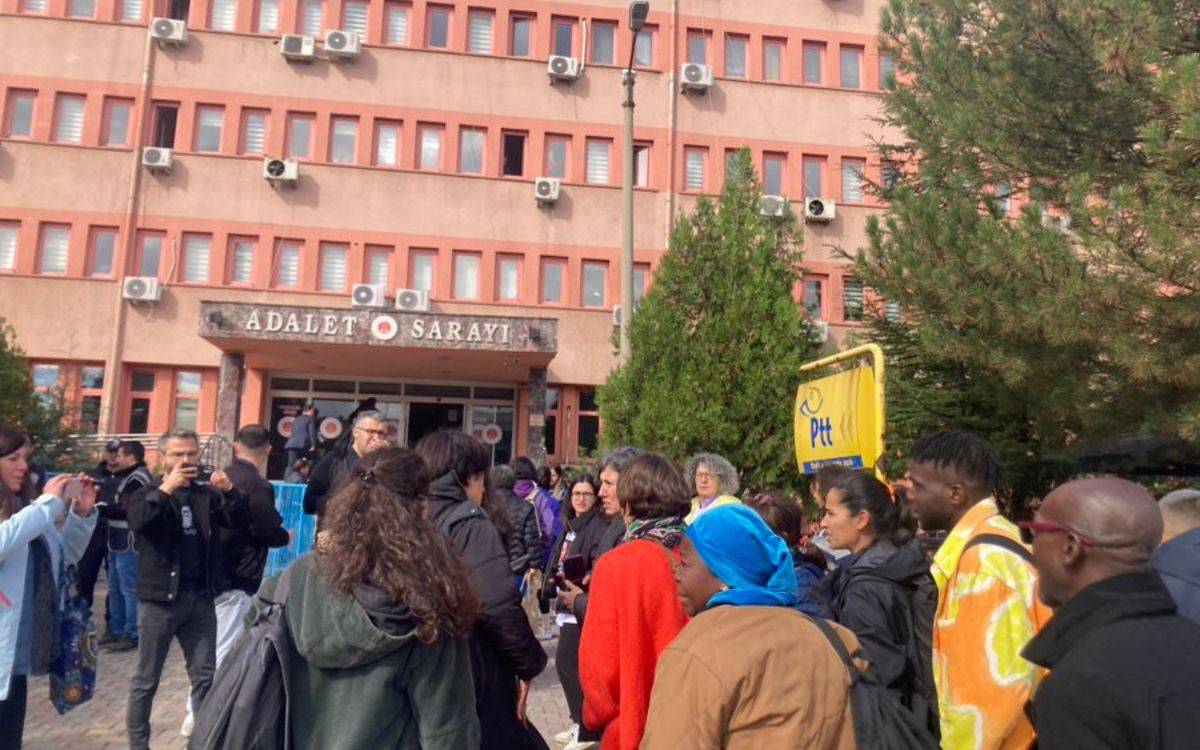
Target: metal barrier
289,501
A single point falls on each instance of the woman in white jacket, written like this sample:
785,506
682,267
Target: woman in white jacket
35,539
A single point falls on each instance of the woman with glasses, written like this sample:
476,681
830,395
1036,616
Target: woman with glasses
713,482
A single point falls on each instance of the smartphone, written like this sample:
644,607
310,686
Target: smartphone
574,569
204,472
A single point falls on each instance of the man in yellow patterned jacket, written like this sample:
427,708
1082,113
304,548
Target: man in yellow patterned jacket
988,607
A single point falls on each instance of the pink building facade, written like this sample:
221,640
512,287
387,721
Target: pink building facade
416,155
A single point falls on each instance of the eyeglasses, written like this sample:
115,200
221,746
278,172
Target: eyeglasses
583,494
704,475
1029,529
381,434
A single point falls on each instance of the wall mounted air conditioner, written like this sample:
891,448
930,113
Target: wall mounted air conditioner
561,68
546,189
157,159
412,300
343,44
298,47
141,288
281,172
168,31
819,210
695,77
368,295
821,329
774,206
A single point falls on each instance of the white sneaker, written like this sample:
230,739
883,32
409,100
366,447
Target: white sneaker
568,737
577,745
188,722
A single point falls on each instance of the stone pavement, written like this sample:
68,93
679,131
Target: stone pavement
100,724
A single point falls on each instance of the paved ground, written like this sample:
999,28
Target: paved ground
100,724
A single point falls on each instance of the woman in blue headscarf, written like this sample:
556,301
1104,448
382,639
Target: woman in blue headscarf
748,671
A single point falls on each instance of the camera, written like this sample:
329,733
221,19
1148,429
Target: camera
204,472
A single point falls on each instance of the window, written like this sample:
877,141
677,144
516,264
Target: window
514,155
333,268
397,24
814,171
299,136
101,250
131,10
466,275
589,422
814,61
595,280
479,32
81,8
519,36
552,279
116,117
8,245
562,40
241,260
470,150
437,27
165,116
268,17
312,17
379,264
887,71
20,113
551,428
891,311
208,128
354,17
508,272
343,139
697,46
597,160
814,290
1003,193
429,154
140,382
641,164
45,383
604,34
178,9
693,167
773,52
196,250
735,55
387,143
254,131
150,254
643,47
35,6
91,390
774,171
187,399
891,175
557,149
851,64
640,274
287,268
733,164
52,255
420,269
223,15
68,119
852,299
852,180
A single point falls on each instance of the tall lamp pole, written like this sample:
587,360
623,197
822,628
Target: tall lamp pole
637,19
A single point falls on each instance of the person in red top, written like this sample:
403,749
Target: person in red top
634,611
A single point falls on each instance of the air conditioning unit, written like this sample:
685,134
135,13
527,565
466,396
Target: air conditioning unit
368,295
157,159
546,189
344,44
141,288
775,206
616,316
168,31
562,68
1059,223
412,300
822,210
297,47
821,328
695,77
281,172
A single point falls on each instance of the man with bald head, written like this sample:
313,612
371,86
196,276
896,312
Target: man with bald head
1124,667
1177,561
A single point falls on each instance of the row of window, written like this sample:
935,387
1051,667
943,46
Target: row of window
516,33
81,387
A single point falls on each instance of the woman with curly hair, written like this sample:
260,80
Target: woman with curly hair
378,616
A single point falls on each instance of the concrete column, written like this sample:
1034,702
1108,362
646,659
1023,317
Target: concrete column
229,393
535,391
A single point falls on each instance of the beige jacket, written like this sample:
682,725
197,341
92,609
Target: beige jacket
751,677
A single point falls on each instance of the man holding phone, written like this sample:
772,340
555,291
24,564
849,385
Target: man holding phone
179,572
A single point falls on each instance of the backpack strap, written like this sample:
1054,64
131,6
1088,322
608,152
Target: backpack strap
997,540
831,635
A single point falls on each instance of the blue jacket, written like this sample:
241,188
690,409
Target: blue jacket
1178,564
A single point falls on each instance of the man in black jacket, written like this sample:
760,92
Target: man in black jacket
179,573
524,546
1125,668
130,476
303,440
370,432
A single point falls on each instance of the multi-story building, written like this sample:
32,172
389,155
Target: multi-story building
162,270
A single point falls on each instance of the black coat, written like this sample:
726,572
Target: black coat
244,547
588,529
525,544
1124,670
157,521
503,647
326,478
610,538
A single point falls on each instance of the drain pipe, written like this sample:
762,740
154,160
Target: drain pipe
672,122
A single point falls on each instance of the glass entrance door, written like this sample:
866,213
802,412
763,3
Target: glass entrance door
425,418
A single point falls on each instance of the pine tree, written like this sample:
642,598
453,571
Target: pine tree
717,342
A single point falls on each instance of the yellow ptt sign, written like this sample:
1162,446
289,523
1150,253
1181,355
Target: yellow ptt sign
839,418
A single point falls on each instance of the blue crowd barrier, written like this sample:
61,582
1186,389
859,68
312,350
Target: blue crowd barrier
289,501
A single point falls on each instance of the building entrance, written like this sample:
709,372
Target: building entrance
426,418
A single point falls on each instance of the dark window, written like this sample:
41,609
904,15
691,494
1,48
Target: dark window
178,9
589,430
383,388
334,386
290,384
587,401
443,391
139,415
514,154
89,414
142,382
550,431
164,125
503,394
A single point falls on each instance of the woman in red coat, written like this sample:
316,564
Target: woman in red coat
633,609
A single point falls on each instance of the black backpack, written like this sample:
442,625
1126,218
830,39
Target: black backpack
248,705
881,722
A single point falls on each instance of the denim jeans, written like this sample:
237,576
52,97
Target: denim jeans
123,603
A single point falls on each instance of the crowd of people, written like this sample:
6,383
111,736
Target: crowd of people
687,615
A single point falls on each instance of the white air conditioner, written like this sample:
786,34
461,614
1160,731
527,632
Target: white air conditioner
368,295
168,31
821,329
775,206
562,68
821,210
1059,223
344,44
546,189
297,47
157,159
695,77
141,288
412,300
281,172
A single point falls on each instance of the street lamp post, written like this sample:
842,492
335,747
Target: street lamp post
637,19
